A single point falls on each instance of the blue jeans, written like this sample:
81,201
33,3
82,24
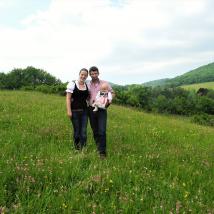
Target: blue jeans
79,120
98,121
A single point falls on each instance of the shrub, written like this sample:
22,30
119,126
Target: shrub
27,88
203,119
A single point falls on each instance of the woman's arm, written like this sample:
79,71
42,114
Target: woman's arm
68,104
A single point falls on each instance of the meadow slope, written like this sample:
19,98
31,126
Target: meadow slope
195,87
155,164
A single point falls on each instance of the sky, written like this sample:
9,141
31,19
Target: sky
130,41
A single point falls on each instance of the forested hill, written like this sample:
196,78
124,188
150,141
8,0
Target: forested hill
156,82
202,74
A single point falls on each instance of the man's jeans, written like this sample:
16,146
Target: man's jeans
79,120
98,121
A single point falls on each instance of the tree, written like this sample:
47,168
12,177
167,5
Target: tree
2,80
29,76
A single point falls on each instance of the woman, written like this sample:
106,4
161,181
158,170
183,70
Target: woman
77,94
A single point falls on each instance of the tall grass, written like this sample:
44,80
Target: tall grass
155,164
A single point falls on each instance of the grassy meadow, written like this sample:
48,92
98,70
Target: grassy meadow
195,87
155,163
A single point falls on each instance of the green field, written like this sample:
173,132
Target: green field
209,85
155,164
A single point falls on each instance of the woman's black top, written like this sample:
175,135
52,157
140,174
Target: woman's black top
78,101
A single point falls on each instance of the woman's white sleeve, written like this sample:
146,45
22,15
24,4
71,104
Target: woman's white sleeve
70,87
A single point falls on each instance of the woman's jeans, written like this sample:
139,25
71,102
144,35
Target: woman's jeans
79,120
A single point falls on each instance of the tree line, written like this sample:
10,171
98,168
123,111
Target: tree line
169,100
31,78
160,99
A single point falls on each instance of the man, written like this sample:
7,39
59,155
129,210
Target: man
98,119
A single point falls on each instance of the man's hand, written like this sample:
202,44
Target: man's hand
107,104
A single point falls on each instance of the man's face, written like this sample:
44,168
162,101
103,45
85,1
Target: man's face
94,75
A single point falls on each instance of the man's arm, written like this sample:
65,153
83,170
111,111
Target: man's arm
112,91
109,97
113,94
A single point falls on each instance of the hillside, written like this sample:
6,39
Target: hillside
155,164
156,82
208,85
202,74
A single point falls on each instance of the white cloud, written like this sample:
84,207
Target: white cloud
132,37
6,4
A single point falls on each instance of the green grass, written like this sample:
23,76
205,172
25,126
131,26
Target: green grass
155,164
209,85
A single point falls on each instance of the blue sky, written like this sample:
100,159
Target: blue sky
13,11
131,41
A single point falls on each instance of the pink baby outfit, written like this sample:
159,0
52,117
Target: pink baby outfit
94,88
101,100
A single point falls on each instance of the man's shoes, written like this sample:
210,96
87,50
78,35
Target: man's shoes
102,156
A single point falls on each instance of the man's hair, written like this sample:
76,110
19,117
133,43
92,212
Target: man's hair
93,68
83,69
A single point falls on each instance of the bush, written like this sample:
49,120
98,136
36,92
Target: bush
161,104
210,94
52,89
205,104
27,88
203,119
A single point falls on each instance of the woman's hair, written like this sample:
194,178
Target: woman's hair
83,69
93,68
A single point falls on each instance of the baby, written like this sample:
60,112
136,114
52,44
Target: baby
103,96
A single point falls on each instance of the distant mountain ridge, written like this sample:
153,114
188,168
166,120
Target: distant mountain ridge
204,73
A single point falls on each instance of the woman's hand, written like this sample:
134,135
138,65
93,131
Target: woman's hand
69,114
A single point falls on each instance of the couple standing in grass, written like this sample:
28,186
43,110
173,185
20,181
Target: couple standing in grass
89,99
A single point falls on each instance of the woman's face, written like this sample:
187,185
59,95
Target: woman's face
83,76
